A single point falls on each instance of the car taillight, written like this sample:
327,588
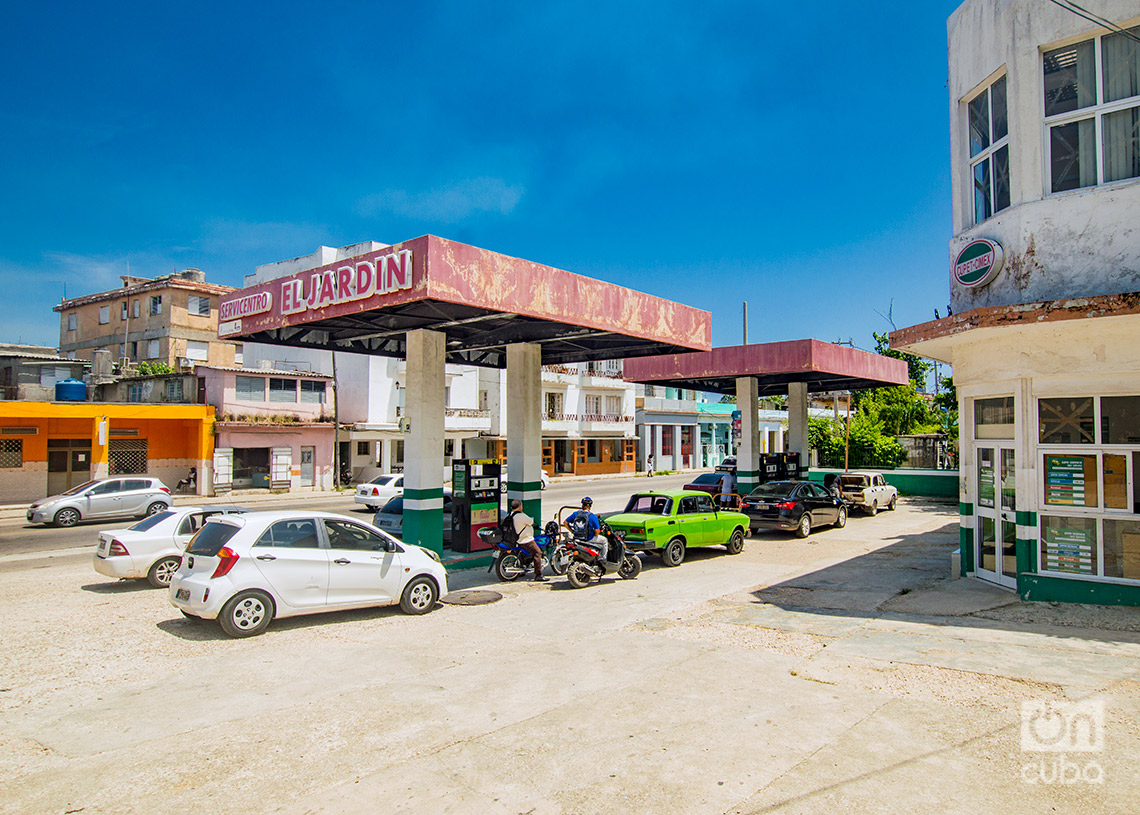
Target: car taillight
788,505
165,489
227,557
117,548
375,491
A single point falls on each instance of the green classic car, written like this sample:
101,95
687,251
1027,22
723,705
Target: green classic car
670,521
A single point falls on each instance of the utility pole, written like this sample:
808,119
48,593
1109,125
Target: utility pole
746,322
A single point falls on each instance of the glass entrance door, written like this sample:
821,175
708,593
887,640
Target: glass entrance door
995,537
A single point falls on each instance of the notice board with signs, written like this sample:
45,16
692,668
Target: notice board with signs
1070,480
1069,548
985,484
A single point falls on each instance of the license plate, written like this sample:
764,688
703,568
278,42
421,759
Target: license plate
182,594
761,506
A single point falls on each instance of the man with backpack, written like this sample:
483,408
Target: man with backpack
518,529
585,526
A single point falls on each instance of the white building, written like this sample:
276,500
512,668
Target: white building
1045,287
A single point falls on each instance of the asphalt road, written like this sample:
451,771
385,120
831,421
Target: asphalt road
26,546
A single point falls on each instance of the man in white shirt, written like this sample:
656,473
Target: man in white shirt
524,529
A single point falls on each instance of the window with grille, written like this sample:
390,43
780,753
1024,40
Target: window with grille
135,393
11,453
593,405
989,150
250,389
199,306
282,390
174,390
613,405
1092,111
127,456
156,305
362,448
312,393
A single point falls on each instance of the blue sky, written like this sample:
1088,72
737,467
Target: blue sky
794,156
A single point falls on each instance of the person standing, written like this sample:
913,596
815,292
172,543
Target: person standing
524,531
649,465
726,491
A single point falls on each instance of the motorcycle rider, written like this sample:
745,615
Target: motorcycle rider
585,526
524,530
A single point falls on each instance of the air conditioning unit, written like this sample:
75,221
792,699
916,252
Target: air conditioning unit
185,362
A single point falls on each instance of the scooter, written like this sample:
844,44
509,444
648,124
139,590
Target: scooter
586,562
512,561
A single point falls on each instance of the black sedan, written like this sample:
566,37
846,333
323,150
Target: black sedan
793,505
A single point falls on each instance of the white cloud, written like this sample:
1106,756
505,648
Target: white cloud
449,204
276,239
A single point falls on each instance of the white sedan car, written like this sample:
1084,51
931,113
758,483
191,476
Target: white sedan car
153,547
246,570
380,490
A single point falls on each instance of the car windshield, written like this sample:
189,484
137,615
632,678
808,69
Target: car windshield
79,489
383,480
649,504
853,480
151,521
210,539
775,489
707,478
394,507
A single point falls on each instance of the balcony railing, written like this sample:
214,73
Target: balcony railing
467,413
565,369
614,418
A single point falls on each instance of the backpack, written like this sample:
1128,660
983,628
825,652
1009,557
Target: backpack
580,526
507,528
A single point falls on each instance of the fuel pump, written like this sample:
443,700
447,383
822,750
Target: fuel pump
475,501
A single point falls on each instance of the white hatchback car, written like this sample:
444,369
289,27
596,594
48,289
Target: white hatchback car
380,490
246,570
153,547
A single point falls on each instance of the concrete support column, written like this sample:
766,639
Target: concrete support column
423,448
798,423
748,456
644,432
100,448
524,427
678,459
658,434
698,459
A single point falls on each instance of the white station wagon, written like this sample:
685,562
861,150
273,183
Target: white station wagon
246,570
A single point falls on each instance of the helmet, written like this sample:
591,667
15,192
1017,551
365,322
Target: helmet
588,500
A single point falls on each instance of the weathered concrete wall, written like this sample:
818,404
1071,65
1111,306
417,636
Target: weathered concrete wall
1078,243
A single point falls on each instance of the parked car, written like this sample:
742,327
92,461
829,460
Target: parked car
798,506
503,480
247,570
668,522
153,547
390,517
138,495
869,492
727,465
706,482
380,490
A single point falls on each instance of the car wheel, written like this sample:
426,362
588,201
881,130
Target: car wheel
579,574
735,544
508,568
246,614
873,508
630,567
673,553
841,518
156,508
66,517
419,596
161,572
804,528
894,500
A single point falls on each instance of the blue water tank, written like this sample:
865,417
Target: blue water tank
70,390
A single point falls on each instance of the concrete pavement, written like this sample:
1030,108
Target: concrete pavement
842,673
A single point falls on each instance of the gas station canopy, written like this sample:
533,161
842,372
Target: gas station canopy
823,366
483,301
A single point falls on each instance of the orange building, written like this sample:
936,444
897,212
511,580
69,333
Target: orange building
48,447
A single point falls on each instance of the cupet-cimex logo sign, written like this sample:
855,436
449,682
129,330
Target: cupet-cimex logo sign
978,263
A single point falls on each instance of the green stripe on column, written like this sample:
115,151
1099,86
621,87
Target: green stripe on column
423,494
964,509
523,486
966,544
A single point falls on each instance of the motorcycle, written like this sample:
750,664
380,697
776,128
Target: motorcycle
586,562
512,561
